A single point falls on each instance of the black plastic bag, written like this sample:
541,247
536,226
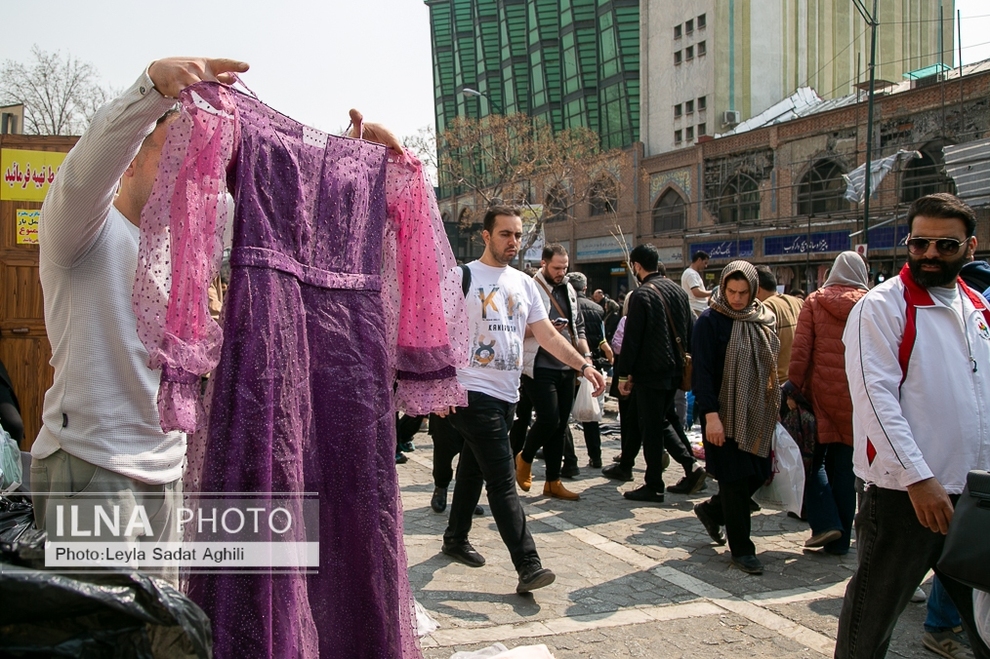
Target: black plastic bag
112,614
115,614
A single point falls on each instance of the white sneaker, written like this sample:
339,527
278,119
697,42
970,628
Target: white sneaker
919,595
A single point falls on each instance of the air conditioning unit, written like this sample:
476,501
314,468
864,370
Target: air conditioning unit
730,117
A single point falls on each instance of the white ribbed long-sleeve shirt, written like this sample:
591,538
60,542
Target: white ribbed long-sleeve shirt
102,406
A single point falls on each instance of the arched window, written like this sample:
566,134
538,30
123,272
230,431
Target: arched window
821,190
556,205
926,175
740,200
669,213
604,196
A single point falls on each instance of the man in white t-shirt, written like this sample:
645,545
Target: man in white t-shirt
502,303
694,285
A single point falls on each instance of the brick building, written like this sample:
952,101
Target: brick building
772,192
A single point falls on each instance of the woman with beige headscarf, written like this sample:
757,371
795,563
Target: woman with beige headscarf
735,348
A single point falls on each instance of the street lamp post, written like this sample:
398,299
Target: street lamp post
467,91
871,20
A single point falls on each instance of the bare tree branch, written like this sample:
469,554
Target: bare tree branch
508,158
60,93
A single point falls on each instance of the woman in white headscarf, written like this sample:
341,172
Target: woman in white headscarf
734,349
818,371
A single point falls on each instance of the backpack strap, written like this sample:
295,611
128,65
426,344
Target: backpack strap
465,278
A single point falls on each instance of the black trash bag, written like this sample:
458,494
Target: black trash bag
112,615
20,542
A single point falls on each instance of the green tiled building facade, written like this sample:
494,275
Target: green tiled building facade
571,62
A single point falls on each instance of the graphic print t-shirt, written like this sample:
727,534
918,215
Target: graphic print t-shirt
500,304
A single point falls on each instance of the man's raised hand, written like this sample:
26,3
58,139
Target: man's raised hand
173,74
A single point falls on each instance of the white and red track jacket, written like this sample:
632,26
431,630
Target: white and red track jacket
920,385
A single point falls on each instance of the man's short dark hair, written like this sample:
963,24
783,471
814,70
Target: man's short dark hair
943,205
700,255
549,251
169,115
767,281
488,224
646,255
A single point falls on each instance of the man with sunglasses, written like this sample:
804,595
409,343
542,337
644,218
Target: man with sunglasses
918,363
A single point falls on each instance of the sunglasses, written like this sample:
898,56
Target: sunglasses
945,246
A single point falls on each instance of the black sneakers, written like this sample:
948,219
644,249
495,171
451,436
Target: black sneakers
689,484
464,553
618,473
533,576
570,471
748,564
644,493
439,500
714,530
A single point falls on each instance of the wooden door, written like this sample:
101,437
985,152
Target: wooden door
24,346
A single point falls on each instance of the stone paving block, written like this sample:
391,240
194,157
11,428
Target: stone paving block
633,580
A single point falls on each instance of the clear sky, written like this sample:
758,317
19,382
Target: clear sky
311,59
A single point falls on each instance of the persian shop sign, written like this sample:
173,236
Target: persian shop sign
724,249
830,241
27,174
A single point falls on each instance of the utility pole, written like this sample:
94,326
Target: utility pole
871,20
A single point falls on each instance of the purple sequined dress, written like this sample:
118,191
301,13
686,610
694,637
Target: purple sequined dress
302,398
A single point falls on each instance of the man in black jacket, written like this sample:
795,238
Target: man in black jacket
649,370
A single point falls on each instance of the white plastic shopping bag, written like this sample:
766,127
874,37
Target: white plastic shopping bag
499,651
786,489
586,408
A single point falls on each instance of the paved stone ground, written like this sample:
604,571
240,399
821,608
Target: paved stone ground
633,580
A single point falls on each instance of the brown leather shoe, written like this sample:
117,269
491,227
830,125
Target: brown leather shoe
524,473
557,490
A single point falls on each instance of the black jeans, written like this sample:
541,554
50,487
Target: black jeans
520,427
487,459
653,409
730,508
674,438
552,392
895,552
593,439
406,428
629,438
447,443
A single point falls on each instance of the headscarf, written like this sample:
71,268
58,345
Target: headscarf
849,269
749,400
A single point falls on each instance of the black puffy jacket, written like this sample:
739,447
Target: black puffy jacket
594,328
649,352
